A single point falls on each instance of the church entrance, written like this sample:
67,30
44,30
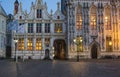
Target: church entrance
47,52
59,49
94,51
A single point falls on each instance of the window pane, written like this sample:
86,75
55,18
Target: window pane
29,44
47,27
39,28
30,27
58,28
38,44
21,44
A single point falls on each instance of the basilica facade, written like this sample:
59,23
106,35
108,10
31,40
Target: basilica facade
93,28
39,35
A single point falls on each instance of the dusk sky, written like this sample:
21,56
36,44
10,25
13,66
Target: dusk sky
8,5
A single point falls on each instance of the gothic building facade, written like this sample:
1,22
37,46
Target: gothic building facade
88,29
93,28
40,35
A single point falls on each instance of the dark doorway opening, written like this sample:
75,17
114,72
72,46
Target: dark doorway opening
47,52
59,49
8,52
94,51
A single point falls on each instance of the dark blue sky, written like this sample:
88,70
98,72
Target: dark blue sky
8,5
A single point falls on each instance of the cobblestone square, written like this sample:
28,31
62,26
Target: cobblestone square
55,68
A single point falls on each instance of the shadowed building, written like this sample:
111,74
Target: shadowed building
3,18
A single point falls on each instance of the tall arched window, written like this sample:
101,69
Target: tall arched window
107,18
79,18
93,17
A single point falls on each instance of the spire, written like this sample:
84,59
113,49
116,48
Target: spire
21,6
51,12
16,2
39,1
58,5
45,5
16,7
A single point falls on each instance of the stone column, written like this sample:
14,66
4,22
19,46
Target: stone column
13,45
43,30
34,37
25,36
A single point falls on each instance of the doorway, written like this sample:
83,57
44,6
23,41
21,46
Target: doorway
94,51
59,49
47,52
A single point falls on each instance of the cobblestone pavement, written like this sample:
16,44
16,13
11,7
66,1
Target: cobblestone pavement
83,68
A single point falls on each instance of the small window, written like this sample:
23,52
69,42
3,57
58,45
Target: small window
58,17
20,17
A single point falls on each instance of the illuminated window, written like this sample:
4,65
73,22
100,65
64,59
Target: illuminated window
93,17
58,28
108,44
38,44
21,44
79,18
38,28
30,44
107,18
30,27
39,13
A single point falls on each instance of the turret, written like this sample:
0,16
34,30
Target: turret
16,7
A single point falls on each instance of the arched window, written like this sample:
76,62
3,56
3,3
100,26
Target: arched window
107,18
93,17
79,17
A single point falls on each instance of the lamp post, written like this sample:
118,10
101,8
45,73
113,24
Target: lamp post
78,42
16,41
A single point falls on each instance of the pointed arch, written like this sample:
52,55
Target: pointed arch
79,17
93,17
107,17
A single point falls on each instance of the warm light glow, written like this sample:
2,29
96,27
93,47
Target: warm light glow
94,20
53,48
80,20
110,43
74,40
81,40
15,41
106,18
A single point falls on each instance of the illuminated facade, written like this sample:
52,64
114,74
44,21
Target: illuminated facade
40,35
97,24
89,29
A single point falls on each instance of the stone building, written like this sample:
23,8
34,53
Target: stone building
3,17
93,28
40,35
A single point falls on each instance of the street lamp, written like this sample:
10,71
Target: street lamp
78,42
53,52
16,41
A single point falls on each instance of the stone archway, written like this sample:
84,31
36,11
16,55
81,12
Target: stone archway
59,49
94,51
